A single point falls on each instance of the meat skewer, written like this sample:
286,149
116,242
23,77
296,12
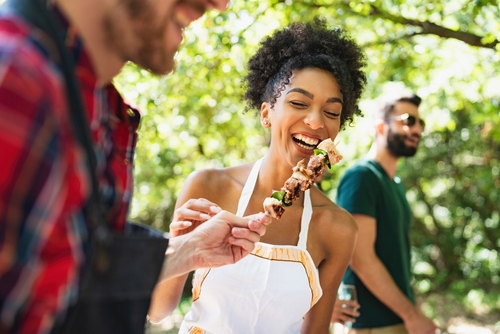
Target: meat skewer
302,178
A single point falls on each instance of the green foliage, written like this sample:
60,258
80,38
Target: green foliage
455,189
447,52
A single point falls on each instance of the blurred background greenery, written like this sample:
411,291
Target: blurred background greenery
448,52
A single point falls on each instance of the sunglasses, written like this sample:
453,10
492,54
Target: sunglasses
408,120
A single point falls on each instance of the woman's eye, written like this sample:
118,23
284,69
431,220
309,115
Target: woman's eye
332,114
298,104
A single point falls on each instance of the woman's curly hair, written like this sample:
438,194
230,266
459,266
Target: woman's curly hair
306,45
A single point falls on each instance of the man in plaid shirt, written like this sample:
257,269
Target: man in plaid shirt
44,183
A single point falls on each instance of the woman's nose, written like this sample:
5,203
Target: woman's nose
314,120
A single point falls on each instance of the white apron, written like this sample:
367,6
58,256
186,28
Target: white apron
268,291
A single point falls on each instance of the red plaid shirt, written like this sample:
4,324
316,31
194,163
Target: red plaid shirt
44,183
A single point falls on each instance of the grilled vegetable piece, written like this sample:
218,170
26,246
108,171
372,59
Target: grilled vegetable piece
302,178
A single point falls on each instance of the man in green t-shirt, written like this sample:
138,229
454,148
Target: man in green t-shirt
375,196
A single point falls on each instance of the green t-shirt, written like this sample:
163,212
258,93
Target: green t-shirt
367,189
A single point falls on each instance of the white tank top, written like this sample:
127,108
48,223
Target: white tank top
268,291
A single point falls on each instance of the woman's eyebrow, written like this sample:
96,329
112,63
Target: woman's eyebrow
311,96
302,91
334,100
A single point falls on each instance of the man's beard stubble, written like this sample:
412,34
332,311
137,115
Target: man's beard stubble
396,145
148,52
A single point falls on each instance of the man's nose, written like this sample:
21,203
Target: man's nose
220,5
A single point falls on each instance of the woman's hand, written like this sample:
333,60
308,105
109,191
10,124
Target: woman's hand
191,214
345,311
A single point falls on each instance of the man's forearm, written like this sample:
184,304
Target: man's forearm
377,279
179,258
168,291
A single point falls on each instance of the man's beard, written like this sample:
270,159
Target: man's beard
149,52
396,145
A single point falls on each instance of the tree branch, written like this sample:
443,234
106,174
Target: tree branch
391,40
429,28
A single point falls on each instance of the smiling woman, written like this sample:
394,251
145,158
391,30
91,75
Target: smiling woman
305,80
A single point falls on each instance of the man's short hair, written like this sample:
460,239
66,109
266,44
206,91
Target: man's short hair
388,107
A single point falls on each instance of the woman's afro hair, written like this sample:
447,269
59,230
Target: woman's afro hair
306,45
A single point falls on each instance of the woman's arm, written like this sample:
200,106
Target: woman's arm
337,234
189,213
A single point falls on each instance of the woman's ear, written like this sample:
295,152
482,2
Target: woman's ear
264,114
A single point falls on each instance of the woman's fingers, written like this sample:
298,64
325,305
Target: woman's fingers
180,225
350,307
196,209
189,214
345,311
258,222
203,205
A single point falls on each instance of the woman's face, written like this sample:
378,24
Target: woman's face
307,112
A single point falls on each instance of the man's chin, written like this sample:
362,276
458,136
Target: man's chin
409,152
158,67
402,151
161,70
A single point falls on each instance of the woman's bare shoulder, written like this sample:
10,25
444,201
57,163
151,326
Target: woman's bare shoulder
333,231
330,216
217,175
211,183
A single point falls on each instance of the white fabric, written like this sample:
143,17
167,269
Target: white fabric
268,291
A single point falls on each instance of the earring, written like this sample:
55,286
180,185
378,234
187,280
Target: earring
266,122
